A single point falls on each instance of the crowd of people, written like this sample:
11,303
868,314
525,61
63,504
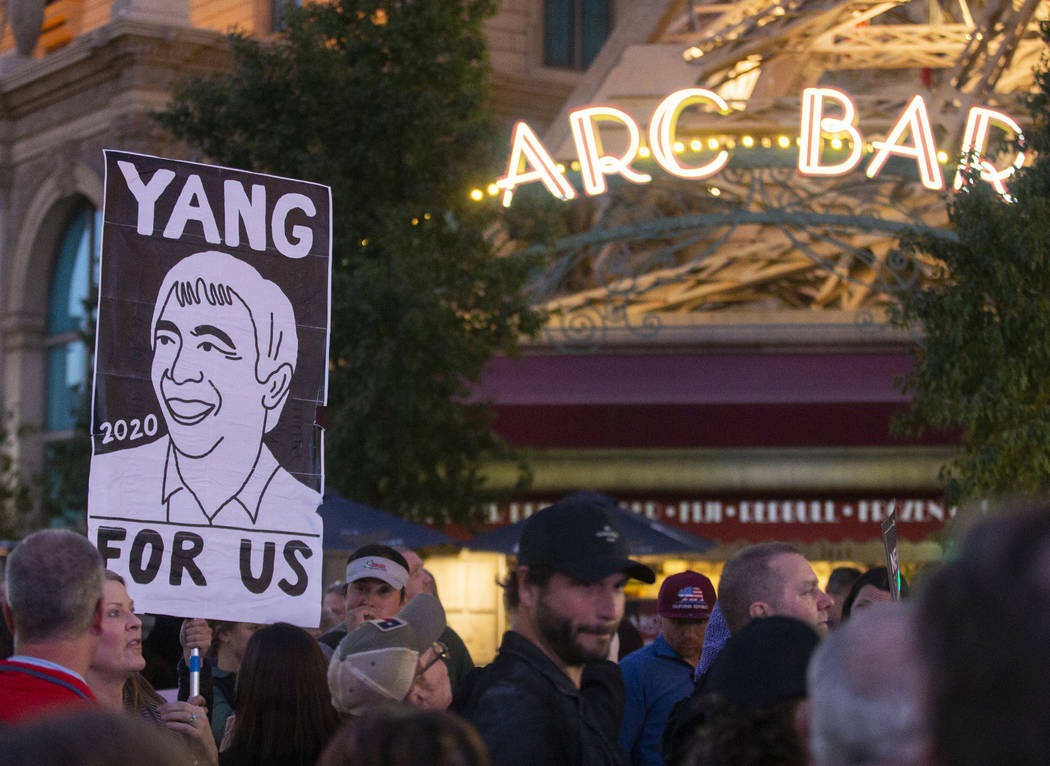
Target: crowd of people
770,669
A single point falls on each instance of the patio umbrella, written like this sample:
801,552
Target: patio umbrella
349,525
645,536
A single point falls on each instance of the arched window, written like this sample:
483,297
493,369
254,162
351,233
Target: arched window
70,314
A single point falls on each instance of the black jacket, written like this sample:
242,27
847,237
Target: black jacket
529,712
686,717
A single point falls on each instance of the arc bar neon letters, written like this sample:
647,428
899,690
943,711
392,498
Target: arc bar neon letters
826,113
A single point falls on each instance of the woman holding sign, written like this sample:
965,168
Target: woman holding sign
116,681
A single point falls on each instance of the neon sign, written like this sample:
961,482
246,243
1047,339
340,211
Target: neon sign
825,113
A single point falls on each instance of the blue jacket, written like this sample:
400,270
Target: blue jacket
655,677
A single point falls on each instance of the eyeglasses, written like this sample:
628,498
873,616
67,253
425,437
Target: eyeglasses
441,652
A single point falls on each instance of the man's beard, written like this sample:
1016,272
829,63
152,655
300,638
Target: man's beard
560,635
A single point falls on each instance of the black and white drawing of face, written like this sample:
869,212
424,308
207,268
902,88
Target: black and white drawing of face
219,377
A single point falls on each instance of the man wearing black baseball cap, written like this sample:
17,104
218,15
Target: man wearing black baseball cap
551,696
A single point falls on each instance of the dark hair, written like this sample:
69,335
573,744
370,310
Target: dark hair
765,663
7,639
284,709
90,737
876,576
747,578
538,575
841,579
984,628
405,736
382,551
731,736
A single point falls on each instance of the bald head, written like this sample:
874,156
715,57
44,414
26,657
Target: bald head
416,578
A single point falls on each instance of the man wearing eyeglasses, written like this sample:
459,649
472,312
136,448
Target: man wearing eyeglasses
377,588
431,689
392,660
457,657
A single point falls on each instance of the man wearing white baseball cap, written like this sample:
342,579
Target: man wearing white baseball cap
375,590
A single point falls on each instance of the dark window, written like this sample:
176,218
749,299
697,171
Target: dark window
278,12
69,316
574,31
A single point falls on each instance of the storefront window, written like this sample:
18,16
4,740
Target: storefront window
574,31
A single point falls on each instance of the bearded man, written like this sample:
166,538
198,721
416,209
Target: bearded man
551,696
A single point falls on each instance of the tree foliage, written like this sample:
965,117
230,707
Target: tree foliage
385,101
983,364
15,497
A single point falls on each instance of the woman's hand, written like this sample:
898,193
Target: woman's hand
194,634
190,719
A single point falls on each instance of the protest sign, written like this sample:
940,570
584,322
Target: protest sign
889,543
211,360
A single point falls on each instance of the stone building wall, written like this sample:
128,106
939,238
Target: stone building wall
57,113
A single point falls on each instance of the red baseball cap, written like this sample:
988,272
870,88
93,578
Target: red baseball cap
686,596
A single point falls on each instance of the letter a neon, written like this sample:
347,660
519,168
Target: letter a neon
526,148
815,125
975,139
594,164
916,119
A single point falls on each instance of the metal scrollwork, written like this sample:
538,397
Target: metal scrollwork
645,238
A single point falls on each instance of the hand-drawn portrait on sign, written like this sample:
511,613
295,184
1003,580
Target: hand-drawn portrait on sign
225,348
210,363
